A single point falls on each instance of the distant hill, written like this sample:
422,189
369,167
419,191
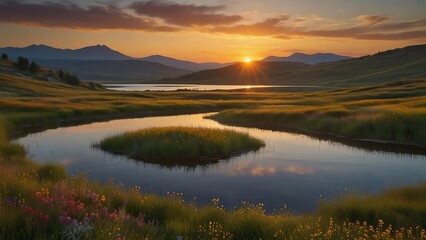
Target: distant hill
186,65
101,52
398,64
115,71
241,73
39,52
308,58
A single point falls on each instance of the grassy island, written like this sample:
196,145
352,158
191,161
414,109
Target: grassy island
180,145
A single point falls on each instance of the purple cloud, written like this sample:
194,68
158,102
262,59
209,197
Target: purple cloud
71,16
185,14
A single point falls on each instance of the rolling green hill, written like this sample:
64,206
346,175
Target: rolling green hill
398,64
255,73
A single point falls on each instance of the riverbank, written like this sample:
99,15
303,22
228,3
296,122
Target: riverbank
397,129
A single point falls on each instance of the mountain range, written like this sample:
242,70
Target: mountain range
103,64
38,52
398,64
311,59
101,52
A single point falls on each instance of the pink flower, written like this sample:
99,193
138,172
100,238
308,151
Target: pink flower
80,206
71,203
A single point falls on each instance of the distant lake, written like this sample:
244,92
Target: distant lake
175,87
291,169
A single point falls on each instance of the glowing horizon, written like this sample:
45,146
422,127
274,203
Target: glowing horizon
204,30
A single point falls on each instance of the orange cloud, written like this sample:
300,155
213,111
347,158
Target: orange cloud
268,27
372,20
185,14
376,30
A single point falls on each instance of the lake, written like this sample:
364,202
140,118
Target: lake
292,169
198,87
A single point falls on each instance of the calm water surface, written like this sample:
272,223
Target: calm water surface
174,87
292,169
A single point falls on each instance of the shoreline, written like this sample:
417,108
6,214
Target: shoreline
366,144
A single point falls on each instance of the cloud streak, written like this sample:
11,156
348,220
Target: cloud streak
185,14
268,27
371,28
372,20
71,16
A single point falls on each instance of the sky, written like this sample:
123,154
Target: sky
216,30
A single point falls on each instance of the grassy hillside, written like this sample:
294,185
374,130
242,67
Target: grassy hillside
399,64
41,202
255,73
10,71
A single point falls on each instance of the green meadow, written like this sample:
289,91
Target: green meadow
42,202
393,112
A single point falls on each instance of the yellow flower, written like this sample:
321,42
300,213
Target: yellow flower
103,198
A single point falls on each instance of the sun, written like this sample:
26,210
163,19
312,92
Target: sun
247,60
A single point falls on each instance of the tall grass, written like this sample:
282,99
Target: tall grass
390,123
180,144
400,207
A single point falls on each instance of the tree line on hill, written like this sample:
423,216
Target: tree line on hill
23,64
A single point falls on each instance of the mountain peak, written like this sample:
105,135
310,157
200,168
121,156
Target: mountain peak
299,54
98,46
38,46
157,56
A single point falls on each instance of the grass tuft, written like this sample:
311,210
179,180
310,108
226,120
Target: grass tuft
51,172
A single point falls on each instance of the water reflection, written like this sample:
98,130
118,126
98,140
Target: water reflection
247,169
299,170
187,87
292,169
